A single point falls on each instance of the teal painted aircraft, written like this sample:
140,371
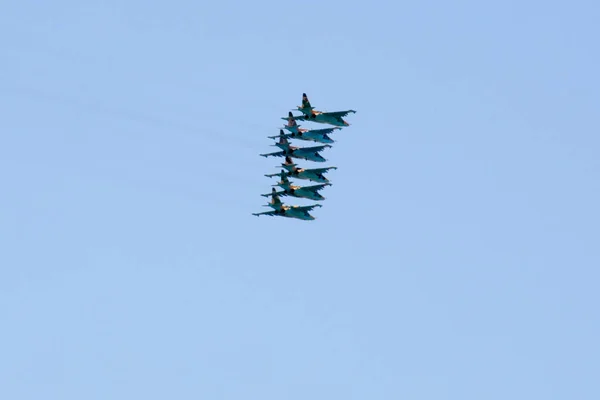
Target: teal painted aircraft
305,192
281,210
310,114
305,153
315,135
312,174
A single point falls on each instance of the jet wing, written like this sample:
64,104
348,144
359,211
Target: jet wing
285,135
316,188
269,213
276,154
296,117
339,113
322,131
279,174
314,149
319,170
280,193
306,208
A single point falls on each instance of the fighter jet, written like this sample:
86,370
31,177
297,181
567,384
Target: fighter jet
281,210
313,174
316,135
310,114
313,135
305,192
304,153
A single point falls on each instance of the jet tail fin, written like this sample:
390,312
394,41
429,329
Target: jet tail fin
275,200
305,102
283,140
291,120
289,161
283,179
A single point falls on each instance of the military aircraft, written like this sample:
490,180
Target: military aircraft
304,153
310,114
279,209
305,192
313,135
306,134
313,174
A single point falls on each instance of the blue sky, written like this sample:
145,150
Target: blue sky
455,256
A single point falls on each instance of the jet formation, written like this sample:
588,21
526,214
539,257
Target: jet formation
290,169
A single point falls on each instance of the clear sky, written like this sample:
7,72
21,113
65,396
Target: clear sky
455,257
